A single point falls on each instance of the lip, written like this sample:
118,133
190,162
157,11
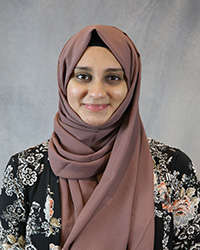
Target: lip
96,107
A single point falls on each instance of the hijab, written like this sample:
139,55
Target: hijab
117,211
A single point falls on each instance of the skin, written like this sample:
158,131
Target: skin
97,86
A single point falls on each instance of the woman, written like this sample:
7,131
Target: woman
99,183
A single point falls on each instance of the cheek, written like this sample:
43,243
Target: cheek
73,93
120,94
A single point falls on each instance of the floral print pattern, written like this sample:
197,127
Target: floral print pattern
53,247
28,176
177,197
30,211
183,208
23,217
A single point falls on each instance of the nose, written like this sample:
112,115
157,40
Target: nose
97,89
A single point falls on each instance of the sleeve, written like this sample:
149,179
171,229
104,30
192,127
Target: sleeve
13,208
186,204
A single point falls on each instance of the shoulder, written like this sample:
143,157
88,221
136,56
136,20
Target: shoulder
173,171
32,156
28,164
171,159
28,188
176,195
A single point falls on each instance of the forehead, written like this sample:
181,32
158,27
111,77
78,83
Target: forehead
100,56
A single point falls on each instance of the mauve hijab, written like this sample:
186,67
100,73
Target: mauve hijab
117,212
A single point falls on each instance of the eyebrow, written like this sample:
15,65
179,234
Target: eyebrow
90,69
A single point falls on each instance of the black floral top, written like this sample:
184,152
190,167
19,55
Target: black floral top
30,211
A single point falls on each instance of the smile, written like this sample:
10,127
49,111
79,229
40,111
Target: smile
96,107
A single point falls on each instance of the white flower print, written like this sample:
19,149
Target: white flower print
27,157
34,220
8,182
28,176
195,247
30,247
54,247
49,208
14,213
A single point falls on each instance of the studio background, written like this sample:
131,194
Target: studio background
166,33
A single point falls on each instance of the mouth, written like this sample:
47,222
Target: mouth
95,107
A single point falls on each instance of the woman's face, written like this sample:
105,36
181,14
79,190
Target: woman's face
97,86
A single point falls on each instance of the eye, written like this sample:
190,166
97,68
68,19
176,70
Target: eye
113,79
83,77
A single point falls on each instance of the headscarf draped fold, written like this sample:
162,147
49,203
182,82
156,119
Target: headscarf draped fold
117,212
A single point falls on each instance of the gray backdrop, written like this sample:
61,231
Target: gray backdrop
32,34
